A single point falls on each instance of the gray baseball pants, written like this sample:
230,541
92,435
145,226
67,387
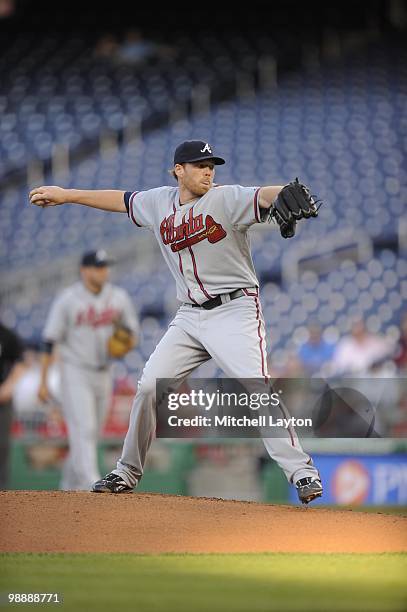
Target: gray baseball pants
85,399
233,334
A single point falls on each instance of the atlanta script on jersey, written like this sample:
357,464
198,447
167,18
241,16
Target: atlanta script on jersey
205,241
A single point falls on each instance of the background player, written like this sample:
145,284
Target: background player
80,322
202,233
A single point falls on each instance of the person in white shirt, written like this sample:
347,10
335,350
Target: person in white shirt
359,351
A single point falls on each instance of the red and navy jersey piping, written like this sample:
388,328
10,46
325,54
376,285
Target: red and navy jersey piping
257,215
128,202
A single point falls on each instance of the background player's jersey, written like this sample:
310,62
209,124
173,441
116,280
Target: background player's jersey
81,322
205,241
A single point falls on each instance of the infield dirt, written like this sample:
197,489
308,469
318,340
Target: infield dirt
56,521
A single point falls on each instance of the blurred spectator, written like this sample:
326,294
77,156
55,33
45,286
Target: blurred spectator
315,352
7,8
25,400
290,367
135,48
400,358
106,47
360,351
11,368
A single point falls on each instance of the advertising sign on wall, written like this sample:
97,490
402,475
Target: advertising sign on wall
362,480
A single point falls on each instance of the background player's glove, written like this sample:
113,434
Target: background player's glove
120,342
294,202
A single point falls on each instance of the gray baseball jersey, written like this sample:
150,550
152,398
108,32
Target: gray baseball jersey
206,246
81,322
205,241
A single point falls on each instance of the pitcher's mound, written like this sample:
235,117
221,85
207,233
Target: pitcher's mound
54,521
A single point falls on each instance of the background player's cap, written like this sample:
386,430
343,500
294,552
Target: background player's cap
195,150
98,259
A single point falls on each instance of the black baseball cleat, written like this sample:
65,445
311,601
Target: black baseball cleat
308,489
111,483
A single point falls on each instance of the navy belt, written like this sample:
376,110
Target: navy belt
220,299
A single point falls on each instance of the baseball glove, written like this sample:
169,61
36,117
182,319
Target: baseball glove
120,342
294,202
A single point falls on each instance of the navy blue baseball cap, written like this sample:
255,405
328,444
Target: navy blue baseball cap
96,259
195,150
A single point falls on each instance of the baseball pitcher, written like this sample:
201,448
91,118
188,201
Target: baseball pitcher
202,231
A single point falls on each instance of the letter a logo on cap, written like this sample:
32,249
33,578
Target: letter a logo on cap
206,148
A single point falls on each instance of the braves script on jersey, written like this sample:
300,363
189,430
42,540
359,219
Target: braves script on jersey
204,241
82,322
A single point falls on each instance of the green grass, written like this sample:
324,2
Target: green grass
202,583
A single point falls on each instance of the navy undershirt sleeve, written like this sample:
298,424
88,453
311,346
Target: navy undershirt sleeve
126,197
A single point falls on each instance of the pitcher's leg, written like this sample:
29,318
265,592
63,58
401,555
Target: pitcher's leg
176,355
244,356
292,459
